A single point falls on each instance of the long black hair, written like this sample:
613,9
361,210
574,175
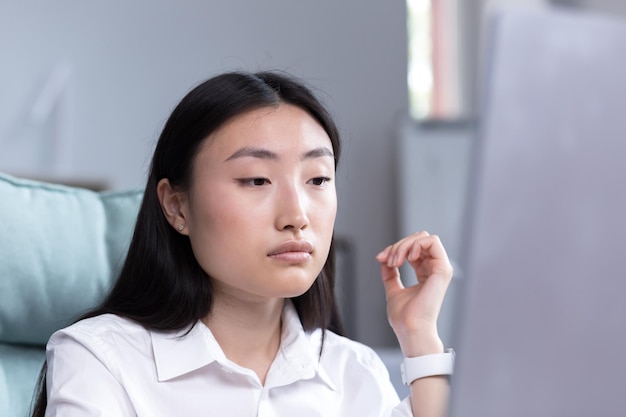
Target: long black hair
161,285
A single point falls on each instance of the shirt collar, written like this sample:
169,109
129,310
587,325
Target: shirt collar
179,352
300,351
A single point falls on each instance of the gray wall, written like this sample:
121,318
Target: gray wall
121,66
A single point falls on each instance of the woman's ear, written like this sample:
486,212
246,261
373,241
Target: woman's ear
174,206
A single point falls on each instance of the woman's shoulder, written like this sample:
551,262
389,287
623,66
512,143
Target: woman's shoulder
349,364
102,329
351,353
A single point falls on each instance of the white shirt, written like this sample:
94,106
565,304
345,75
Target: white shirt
111,366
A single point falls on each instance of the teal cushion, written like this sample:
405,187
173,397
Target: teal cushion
60,250
19,371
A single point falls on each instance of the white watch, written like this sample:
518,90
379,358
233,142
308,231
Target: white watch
427,365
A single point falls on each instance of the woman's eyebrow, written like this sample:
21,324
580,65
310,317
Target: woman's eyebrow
253,152
261,153
318,152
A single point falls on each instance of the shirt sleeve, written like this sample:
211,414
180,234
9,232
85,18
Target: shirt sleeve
403,409
80,382
396,408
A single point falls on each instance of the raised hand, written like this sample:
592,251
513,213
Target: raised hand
413,311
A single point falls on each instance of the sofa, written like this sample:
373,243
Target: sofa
61,247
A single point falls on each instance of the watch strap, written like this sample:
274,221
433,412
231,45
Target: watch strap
427,365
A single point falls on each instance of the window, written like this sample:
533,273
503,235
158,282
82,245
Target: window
433,73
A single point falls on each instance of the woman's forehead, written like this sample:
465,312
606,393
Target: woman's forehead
281,130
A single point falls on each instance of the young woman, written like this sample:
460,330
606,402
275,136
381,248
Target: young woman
225,305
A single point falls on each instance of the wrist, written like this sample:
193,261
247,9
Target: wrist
420,344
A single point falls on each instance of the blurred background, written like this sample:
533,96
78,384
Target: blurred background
85,88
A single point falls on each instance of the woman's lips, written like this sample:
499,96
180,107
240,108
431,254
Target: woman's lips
292,251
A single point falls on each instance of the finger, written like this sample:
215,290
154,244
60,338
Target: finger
400,249
429,247
431,244
391,279
432,264
384,254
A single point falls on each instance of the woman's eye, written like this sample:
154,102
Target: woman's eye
319,180
255,182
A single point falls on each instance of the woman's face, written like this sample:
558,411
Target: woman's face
262,204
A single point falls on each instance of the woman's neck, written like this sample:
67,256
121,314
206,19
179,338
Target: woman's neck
249,333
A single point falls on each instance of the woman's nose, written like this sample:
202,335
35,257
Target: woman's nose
291,212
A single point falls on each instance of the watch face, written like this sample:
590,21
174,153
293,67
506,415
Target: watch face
403,373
